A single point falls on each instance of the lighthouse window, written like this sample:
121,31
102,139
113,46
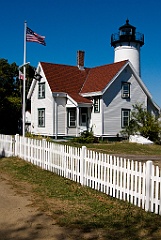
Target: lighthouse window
126,31
125,90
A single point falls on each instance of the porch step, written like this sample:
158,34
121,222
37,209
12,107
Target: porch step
68,137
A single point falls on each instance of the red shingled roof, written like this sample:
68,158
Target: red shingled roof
71,80
99,77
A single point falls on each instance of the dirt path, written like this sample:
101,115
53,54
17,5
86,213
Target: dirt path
20,220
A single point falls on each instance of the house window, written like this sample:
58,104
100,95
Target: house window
71,117
96,104
41,117
125,117
41,90
125,90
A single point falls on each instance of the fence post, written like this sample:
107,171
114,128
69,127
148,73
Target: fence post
83,152
148,185
43,149
15,145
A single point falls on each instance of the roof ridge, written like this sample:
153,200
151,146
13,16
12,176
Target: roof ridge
114,63
62,64
85,80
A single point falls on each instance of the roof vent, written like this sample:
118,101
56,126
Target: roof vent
80,59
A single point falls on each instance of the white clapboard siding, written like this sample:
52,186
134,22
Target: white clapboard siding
136,182
113,102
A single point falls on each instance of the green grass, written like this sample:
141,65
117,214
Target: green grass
80,207
123,147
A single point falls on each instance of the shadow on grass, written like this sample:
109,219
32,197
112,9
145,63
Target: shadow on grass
34,229
140,226
137,225
37,227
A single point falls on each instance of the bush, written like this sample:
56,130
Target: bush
86,137
144,123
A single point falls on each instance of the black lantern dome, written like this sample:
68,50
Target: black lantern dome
127,33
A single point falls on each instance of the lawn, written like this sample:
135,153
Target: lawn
123,147
77,207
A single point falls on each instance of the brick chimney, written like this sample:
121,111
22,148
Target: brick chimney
80,59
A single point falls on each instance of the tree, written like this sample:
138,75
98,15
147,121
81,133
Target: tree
11,96
144,123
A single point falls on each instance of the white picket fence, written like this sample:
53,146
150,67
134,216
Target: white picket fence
6,145
133,181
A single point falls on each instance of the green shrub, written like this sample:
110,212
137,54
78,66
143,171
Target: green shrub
86,137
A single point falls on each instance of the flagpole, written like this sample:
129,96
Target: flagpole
24,83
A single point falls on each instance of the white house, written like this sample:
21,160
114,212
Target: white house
71,99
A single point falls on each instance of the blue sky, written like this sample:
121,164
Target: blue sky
71,25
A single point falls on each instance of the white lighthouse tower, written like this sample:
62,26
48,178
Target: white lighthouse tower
127,45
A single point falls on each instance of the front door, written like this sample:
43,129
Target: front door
83,119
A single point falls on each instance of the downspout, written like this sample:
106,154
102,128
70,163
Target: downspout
102,109
77,120
56,117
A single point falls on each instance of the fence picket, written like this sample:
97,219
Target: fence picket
152,190
148,185
144,186
132,182
159,202
120,178
156,189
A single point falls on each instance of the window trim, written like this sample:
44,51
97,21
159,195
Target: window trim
69,118
41,90
96,104
123,110
125,93
42,110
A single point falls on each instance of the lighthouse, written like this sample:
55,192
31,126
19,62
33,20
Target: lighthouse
127,43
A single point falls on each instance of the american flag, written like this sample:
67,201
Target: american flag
31,36
21,75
